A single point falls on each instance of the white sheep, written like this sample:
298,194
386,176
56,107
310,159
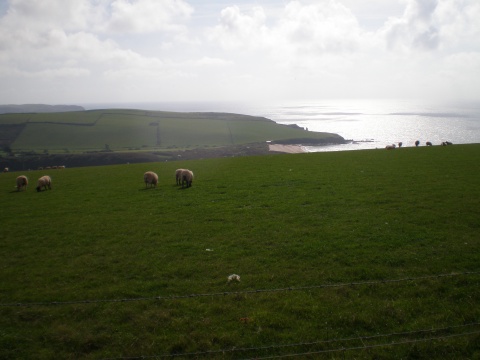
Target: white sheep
150,178
22,182
390,147
187,177
233,277
178,176
44,182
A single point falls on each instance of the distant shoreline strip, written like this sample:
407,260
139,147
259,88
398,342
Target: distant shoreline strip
290,149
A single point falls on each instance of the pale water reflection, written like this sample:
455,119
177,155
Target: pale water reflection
374,124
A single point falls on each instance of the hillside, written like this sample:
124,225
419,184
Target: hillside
368,254
140,134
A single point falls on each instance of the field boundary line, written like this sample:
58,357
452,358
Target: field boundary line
244,292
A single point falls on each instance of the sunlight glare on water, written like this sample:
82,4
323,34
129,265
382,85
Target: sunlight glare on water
374,124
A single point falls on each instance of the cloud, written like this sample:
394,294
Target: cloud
240,30
46,14
460,26
63,72
469,62
293,48
46,73
417,28
37,37
33,51
323,27
433,24
305,41
143,16
113,16
209,61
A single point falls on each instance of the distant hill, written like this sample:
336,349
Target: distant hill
37,108
125,135
127,130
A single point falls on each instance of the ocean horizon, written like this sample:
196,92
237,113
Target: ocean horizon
365,123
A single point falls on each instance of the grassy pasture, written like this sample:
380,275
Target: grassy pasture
130,129
279,221
71,117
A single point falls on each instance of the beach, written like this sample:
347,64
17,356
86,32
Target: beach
291,149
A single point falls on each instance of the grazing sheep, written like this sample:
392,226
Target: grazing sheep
150,178
43,183
390,147
178,176
233,277
6,169
187,178
429,143
417,143
22,182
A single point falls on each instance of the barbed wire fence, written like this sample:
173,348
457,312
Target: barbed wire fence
307,353
361,339
303,349
242,292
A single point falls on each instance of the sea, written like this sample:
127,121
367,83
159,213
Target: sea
364,123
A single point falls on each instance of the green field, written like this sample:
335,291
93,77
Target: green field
368,254
121,130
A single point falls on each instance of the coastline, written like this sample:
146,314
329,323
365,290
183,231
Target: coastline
290,149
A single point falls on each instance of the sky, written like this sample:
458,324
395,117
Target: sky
114,51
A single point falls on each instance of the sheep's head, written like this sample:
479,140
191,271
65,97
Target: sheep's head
39,188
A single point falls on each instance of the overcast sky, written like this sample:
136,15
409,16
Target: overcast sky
97,51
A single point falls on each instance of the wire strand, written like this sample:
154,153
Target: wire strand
273,347
366,347
245,292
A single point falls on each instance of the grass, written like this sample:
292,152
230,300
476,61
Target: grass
278,221
127,129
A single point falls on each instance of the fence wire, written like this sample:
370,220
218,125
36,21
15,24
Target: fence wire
244,292
322,342
366,347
